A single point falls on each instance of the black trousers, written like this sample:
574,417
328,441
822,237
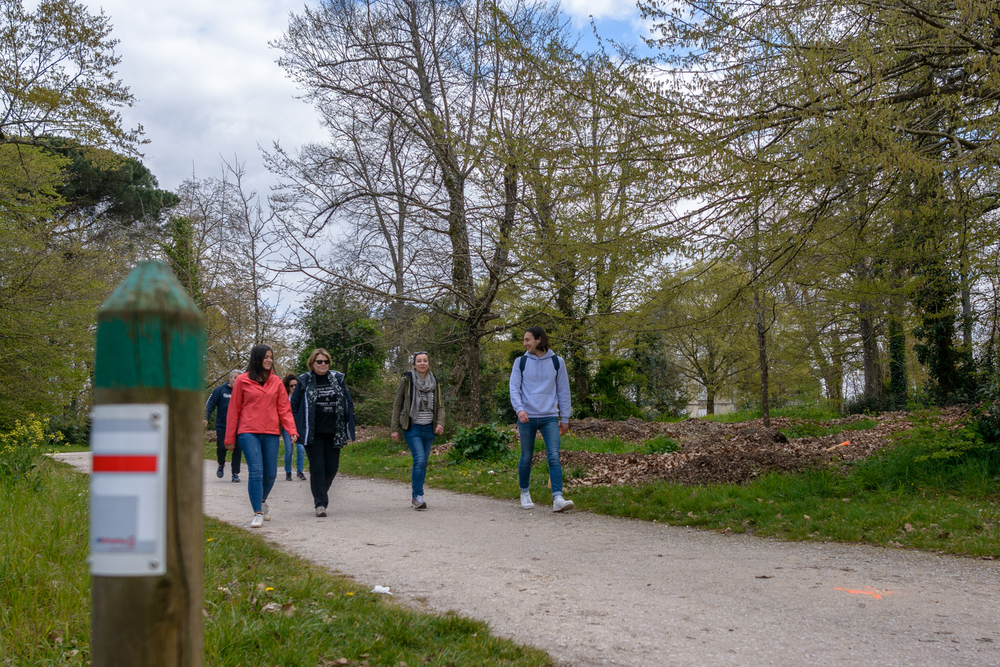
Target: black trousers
220,450
324,461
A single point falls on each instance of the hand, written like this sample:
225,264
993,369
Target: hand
563,428
522,416
206,423
230,447
439,429
395,436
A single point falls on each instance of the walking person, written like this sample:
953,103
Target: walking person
419,411
258,410
324,416
300,451
218,402
539,394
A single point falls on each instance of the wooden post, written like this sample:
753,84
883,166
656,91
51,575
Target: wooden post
151,349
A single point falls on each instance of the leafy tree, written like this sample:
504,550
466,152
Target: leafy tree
344,327
50,289
57,65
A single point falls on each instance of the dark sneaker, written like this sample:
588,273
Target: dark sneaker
418,503
300,475
222,469
288,476
236,477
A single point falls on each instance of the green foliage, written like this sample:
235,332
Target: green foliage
927,458
180,254
950,366
346,329
374,411
661,444
100,184
608,399
486,442
50,288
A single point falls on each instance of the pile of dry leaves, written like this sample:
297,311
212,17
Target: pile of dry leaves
712,452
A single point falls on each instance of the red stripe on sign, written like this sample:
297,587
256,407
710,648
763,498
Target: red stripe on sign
124,463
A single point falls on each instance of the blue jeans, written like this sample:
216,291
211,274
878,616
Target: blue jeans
549,427
261,453
300,450
419,438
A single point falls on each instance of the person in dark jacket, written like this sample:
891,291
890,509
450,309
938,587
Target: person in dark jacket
419,412
220,400
324,418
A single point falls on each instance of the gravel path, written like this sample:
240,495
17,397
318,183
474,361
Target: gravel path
595,590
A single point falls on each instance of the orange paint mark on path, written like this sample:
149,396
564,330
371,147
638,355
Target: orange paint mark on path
871,592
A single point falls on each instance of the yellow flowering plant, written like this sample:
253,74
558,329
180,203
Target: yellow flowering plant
21,448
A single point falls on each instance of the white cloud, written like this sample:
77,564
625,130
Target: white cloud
207,85
581,10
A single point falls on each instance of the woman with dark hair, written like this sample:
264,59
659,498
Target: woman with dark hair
539,394
259,406
419,410
324,416
290,381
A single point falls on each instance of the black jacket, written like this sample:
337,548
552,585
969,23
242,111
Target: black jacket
304,406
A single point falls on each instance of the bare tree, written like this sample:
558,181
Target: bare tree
430,77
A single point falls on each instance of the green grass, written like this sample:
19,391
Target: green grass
45,589
815,413
949,502
813,430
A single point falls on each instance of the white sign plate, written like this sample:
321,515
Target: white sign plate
128,490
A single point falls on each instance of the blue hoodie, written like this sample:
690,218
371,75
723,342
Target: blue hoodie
541,391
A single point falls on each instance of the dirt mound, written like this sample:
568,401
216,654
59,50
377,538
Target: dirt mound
713,453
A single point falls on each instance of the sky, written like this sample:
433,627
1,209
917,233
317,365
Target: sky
207,86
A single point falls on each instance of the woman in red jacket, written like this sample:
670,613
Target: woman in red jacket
258,410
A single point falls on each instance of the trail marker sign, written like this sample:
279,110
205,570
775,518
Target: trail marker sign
128,490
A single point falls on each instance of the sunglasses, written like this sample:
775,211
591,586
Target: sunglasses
322,361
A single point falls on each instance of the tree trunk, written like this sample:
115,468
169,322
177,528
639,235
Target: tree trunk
762,357
870,355
897,353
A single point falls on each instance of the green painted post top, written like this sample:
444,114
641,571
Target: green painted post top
150,333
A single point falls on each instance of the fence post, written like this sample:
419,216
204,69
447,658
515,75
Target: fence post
151,350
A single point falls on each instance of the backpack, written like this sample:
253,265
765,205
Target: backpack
524,360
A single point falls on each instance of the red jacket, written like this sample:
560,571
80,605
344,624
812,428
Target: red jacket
259,409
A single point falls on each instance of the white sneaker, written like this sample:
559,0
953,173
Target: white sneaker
267,512
526,500
320,510
559,504
258,521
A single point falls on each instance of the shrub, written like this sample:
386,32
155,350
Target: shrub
21,448
374,411
483,442
661,444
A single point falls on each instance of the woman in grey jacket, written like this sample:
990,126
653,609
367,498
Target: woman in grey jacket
419,411
324,418
539,394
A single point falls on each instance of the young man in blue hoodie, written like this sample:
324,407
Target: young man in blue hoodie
539,394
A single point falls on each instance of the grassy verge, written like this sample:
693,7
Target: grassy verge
318,619
935,490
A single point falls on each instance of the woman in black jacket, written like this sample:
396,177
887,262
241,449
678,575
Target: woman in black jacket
324,418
